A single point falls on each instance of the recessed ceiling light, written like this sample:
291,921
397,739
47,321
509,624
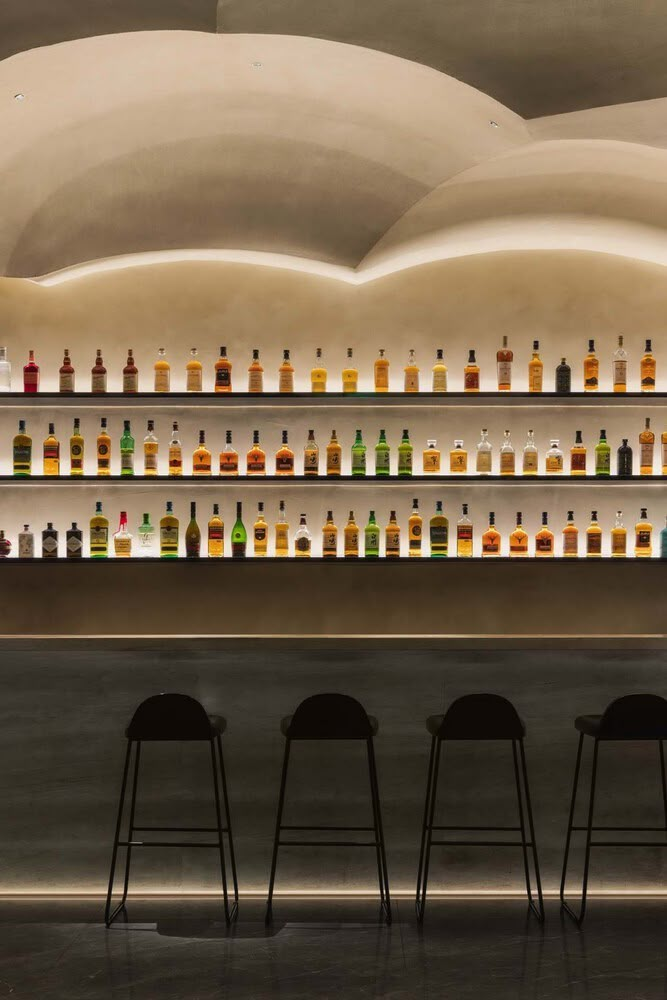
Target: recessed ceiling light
257,65
494,124
19,97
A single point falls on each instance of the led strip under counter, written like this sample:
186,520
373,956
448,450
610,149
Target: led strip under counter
370,482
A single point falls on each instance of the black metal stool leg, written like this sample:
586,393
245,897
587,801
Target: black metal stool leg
276,839
133,805
383,872
570,822
579,918
228,819
108,916
427,799
539,909
221,835
663,776
429,832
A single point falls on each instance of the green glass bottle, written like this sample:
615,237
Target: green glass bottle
405,455
439,533
602,456
372,538
382,456
239,534
192,535
126,451
358,456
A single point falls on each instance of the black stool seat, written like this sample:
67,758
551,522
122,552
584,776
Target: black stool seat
217,726
287,722
479,731
588,724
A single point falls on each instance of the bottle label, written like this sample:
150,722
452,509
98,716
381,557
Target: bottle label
664,455
67,381
404,461
507,463
358,461
229,464
175,461
439,536
591,378
544,543
99,382
563,380
76,456
318,381
30,380
168,536
286,382
484,459
372,540
329,542
530,461
412,381
333,461
49,544
594,543
382,460
646,453
431,461
216,533
260,533
162,380
518,546
130,381
643,538
99,537
302,544
618,543
193,381
602,461
578,461
52,452
464,533
26,545
491,544
74,544
392,542
535,379
255,381
570,543
103,458
127,460
504,374
381,377
256,463
22,454
471,381
440,381
554,463
122,546
415,537
201,463
351,541
311,461
349,380
223,378
648,374
620,369
458,462
150,457
285,463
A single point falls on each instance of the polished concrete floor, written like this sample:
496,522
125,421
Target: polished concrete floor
467,949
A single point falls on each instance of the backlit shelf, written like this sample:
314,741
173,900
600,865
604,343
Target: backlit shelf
340,560
313,482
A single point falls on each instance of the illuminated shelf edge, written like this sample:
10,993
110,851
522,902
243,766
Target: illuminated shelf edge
339,560
313,481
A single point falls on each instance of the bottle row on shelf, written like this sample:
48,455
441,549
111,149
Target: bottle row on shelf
371,542
379,463
412,381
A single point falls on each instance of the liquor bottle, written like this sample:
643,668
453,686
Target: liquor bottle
216,533
381,372
392,537
491,540
529,462
150,450
311,456
504,359
431,458
260,532
484,461
663,542
22,452
544,539
570,537
49,542
74,542
282,532
76,445
519,539
563,378
5,371
5,546
619,367
382,467
126,451
594,537
643,532
415,526
169,533
201,457
535,370
329,538
578,456
553,460
26,543
647,369
351,538
66,375
439,533
624,460
405,455
646,443
193,373
458,458
358,456
255,375
619,538
302,540
239,534
229,457
256,458
663,441
350,374
591,369
471,374
98,375
223,373
334,456
439,372
464,534
103,450
318,373
192,534
507,456
146,533
411,374
31,374
130,375
286,374
602,456
175,452
284,458
372,538
51,453
162,369
122,540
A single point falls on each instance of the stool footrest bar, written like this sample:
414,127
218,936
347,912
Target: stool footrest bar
166,843
366,829
480,843
328,843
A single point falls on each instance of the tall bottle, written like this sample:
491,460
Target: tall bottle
201,457
22,452
286,374
146,535
66,375
431,458
130,375
329,538
529,462
507,456
647,369
31,374
311,456
392,537
239,534
103,449
602,456
122,540
619,538
351,538
594,537
175,452
162,372
415,530
358,455
591,369
535,370
411,374
619,367
169,533
223,372
281,534
5,371
260,532
439,533
405,455
471,374
98,375
255,373
49,542
372,538
578,456
26,543
519,539
192,534
126,451
646,446
229,457
570,537
484,461
216,534
74,542
544,539
150,450
553,460
318,373
439,372
382,467
381,372
464,533
350,374
624,460
643,535
458,458
76,446
193,373
504,359
302,540
284,458
256,458
51,453
563,378
491,540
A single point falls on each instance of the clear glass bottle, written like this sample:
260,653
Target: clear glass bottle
519,539
491,540
643,536
216,534
74,542
439,533
5,371
411,374
169,533
329,538
223,373
260,533
286,374
646,448
103,449
175,452
51,452
471,374
624,460
350,374
146,536
201,457
382,457
150,450
358,455
415,530
311,456
193,373
458,458
602,456
66,375
464,532
553,459
239,534
122,540
372,538
255,373
162,372
594,537
229,457
381,372
281,533
504,359
544,539
392,538
535,370
318,373
484,460
530,460
99,534
26,543
405,455
127,451
563,378
439,372
351,538
619,538
302,540
507,456
334,456
591,369
76,450
619,367
578,456
431,458
570,537
647,369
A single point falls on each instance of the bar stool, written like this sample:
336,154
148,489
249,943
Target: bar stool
333,717
170,718
635,717
479,717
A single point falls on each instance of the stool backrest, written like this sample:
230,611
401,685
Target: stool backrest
169,717
482,717
330,717
635,717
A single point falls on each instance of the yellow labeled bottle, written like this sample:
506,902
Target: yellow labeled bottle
260,532
150,450
162,372
223,372
216,535
392,537
318,373
201,458
281,534
169,534
458,458
647,369
411,370
334,456
350,374
491,539
193,373
415,530
22,452
646,445
578,456
464,535
175,452
51,453
535,370
329,538
103,450
381,372
255,374
311,456
594,537
544,539
619,538
99,534
351,538
439,372
519,539
643,536
431,458
286,374
284,458
591,369
76,450
229,457
256,458
620,367
570,537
